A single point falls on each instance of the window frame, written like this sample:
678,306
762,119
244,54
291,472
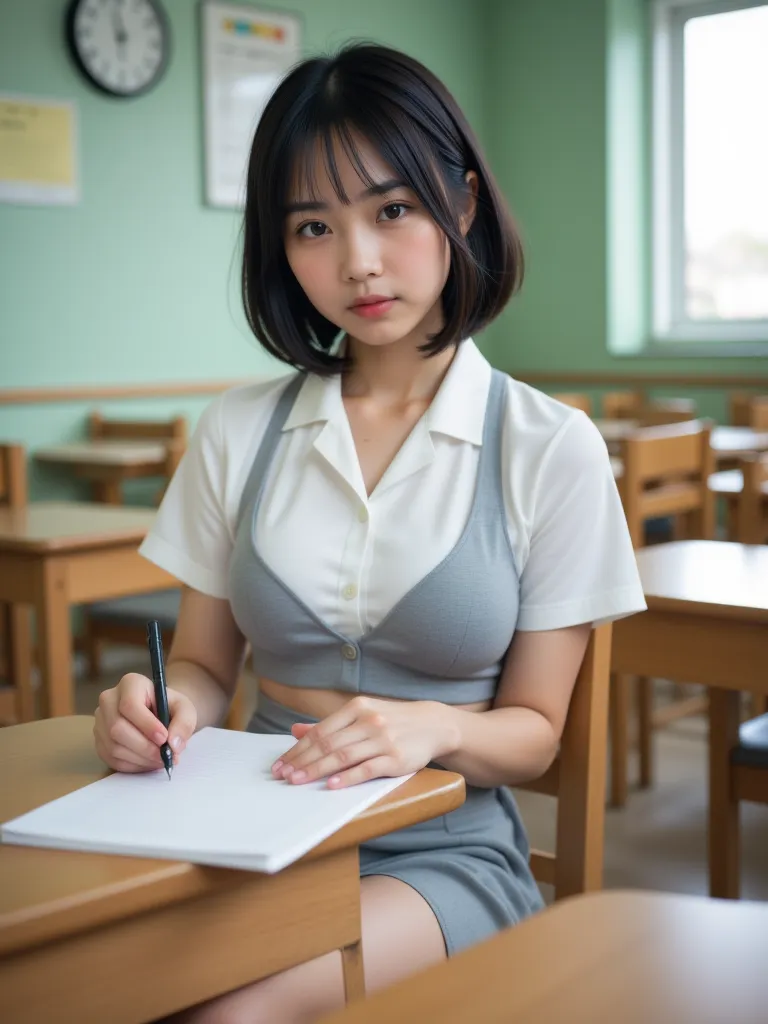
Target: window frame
672,330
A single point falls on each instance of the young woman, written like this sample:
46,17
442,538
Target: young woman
414,545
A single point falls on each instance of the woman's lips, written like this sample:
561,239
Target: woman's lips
376,308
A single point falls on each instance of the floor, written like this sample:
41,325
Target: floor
658,841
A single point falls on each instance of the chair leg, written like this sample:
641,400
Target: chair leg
91,648
19,637
645,696
724,837
619,721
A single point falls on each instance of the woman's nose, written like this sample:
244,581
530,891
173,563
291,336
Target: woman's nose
361,255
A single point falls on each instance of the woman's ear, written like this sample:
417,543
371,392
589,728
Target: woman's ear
468,216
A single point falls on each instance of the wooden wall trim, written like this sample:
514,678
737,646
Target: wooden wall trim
105,392
630,380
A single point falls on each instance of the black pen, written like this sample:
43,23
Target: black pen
155,643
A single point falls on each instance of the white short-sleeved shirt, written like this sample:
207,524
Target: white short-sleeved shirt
351,557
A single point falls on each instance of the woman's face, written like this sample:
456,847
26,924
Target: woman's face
376,267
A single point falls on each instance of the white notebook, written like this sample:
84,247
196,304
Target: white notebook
222,807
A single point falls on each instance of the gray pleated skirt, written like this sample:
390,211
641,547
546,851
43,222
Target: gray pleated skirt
471,865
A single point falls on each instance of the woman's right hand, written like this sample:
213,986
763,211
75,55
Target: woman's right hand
127,733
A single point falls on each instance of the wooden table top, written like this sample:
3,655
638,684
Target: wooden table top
44,526
709,577
603,958
726,441
732,442
105,453
45,894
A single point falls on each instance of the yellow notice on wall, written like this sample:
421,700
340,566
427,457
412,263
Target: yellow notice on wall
38,159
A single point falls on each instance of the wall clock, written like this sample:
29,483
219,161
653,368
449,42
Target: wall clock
121,46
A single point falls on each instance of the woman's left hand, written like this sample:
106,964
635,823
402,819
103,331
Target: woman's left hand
368,738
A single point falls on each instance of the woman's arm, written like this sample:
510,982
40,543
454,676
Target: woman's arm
206,656
517,740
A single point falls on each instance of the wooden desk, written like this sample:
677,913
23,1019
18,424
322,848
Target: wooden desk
127,940
728,443
707,622
57,554
601,958
107,464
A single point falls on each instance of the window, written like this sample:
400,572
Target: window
710,174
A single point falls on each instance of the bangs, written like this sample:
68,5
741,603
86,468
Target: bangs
315,147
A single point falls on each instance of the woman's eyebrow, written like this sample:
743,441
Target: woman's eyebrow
379,188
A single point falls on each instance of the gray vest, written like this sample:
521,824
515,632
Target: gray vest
444,640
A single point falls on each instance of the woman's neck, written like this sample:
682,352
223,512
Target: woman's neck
395,374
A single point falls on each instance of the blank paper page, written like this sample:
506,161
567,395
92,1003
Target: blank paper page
222,807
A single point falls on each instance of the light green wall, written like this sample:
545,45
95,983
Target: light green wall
138,283
549,108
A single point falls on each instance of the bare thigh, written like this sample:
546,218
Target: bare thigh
400,936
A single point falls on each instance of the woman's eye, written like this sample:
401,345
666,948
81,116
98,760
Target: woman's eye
394,211
313,229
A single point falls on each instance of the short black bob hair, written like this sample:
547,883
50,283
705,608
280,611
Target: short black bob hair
413,122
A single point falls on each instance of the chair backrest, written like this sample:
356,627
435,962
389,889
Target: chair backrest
666,473
577,779
758,413
752,503
146,430
622,405
13,476
748,410
661,416
575,400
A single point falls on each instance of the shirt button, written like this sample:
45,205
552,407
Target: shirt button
350,591
362,514
349,652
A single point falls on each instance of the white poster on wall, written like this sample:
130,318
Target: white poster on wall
246,51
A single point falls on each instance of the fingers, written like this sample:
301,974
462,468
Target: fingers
320,743
183,720
134,704
376,768
343,758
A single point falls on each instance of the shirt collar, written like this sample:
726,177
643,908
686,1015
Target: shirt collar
457,410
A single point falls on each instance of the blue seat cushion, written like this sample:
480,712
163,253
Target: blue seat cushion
752,749
138,609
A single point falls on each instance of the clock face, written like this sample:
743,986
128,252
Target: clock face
120,45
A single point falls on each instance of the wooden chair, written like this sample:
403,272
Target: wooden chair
666,472
123,620
173,431
576,401
744,778
622,405
577,780
746,410
751,520
17,702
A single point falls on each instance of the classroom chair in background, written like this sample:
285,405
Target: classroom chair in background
666,472
748,410
622,405
575,400
745,777
17,702
577,779
173,432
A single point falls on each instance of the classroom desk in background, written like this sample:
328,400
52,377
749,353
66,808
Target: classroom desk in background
600,958
123,940
728,443
706,623
106,465
54,555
